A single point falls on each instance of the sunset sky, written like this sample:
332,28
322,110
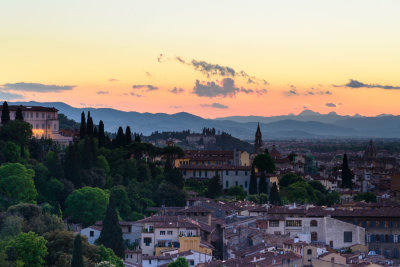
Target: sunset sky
210,58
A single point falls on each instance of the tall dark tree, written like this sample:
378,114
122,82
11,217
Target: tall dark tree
253,182
5,113
77,258
101,135
128,135
274,197
347,176
262,184
120,138
214,187
89,156
82,132
89,125
95,132
111,233
137,138
18,114
174,176
72,165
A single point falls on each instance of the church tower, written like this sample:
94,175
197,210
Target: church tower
258,140
370,152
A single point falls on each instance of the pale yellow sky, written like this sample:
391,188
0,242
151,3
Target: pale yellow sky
294,45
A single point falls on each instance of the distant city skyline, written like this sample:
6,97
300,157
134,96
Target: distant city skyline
209,58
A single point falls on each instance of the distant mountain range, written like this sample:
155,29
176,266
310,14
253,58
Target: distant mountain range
306,125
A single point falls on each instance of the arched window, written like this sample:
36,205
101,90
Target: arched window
314,236
313,223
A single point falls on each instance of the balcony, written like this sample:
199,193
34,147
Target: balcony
147,230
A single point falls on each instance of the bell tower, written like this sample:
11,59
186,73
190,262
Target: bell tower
258,140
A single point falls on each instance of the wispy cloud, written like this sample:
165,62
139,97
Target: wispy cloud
113,80
147,87
102,92
212,89
135,94
9,96
211,69
175,106
176,90
214,105
356,84
331,105
292,91
36,87
316,91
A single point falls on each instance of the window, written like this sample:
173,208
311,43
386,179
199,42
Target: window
170,232
245,173
55,126
348,237
42,115
91,233
372,224
194,173
37,125
274,223
314,236
309,251
227,172
293,223
245,184
149,261
191,262
236,183
205,173
184,172
227,184
43,126
147,241
162,232
236,173
313,223
199,173
37,114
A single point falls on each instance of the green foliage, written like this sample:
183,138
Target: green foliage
82,132
174,176
274,197
53,164
111,233
5,114
318,186
18,114
107,254
179,262
28,249
237,192
170,195
66,123
16,183
367,197
214,188
289,179
86,205
77,258
264,163
11,152
119,194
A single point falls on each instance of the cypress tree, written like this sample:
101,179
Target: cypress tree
82,131
137,138
77,258
111,233
95,132
128,135
253,182
120,138
5,113
262,184
214,187
346,174
18,115
102,137
72,166
274,197
89,125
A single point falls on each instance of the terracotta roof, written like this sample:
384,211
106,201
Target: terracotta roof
30,108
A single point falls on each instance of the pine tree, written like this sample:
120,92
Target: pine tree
18,114
111,233
102,137
253,182
214,187
274,197
82,131
120,138
347,176
262,184
5,113
89,125
128,135
77,258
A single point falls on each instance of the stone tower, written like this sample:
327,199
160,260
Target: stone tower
370,152
258,140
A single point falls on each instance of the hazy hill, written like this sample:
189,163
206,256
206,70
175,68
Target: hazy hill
307,124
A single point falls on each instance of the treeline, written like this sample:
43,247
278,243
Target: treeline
42,185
